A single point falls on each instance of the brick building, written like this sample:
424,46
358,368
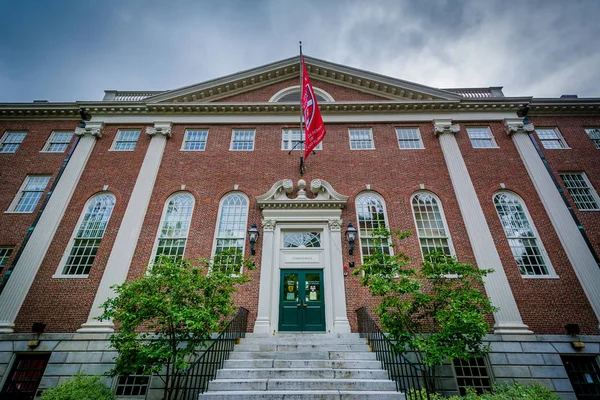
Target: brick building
187,171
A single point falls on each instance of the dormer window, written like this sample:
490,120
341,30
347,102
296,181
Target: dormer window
292,95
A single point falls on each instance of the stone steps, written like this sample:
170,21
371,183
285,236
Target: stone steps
302,366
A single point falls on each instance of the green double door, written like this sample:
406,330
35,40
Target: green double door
302,301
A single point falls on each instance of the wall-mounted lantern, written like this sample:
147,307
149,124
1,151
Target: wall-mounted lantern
351,237
253,235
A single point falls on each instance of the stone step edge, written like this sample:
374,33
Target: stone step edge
293,392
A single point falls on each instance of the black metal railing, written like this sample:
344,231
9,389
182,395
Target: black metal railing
412,378
197,376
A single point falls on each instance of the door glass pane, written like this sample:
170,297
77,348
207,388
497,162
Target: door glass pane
291,287
312,287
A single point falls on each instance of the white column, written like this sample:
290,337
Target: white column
35,250
340,317
508,319
121,255
578,252
263,318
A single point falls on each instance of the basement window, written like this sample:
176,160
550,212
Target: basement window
472,373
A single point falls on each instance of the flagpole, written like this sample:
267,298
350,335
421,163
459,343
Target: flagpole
301,117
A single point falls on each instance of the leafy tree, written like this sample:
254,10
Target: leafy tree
438,310
167,315
80,387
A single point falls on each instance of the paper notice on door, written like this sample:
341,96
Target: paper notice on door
291,296
312,296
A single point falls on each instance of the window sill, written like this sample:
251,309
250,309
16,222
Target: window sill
192,151
240,150
61,276
51,152
486,148
19,212
362,149
550,276
118,151
589,209
414,148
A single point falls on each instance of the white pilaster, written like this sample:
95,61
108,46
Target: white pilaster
508,319
340,317
35,250
263,318
121,255
578,252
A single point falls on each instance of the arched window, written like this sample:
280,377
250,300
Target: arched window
84,243
230,234
292,95
371,214
431,225
174,226
529,253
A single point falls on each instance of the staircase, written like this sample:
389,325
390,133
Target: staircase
302,366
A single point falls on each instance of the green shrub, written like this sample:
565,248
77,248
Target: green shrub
80,387
499,392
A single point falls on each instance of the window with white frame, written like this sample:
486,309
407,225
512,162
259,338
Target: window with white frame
83,246
371,215
473,373
29,194
132,386
292,139
125,140
11,141
195,140
230,234
301,239
361,139
581,190
5,253
58,142
431,225
409,138
242,140
551,138
174,227
528,252
594,134
481,137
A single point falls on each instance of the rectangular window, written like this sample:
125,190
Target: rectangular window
125,140
409,138
11,141
581,190
481,138
29,194
594,134
584,375
195,140
58,142
472,373
5,253
242,140
551,138
25,375
291,138
361,139
135,385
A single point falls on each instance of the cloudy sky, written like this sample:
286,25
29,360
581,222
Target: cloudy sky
67,50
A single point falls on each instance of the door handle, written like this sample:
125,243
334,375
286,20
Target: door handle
304,304
299,305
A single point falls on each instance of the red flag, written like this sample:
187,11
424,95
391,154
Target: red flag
313,123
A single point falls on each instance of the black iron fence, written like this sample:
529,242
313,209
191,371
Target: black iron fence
196,378
412,377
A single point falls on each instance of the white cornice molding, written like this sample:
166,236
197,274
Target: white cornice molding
277,197
160,128
445,126
91,128
513,126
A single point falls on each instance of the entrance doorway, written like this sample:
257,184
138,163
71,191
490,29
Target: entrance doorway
302,302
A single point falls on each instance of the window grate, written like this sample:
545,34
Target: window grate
581,190
195,140
584,374
472,373
409,138
11,141
25,376
134,385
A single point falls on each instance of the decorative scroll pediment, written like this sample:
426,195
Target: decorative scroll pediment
324,196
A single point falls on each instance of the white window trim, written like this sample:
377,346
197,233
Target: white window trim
551,272
290,89
115,140
585,129
49,142
5,136
162,220
593,191
385,218
371,135
560,137
65,256
422,145
242,129
444,221
11,250
488,368
183,142
15,201
318,147
492,138
216,232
